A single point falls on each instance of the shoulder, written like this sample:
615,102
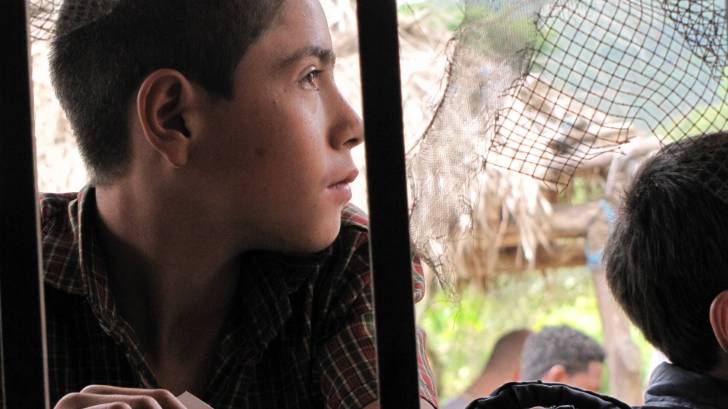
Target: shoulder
344,273
354,241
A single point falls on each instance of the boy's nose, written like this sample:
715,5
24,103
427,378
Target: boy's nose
357,132
348,130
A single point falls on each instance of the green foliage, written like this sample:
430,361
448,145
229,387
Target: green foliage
701,120
486,29
493,35
544,46
582,190
440,13
462,332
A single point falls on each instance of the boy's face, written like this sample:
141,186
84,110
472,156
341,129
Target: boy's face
276,159
589,379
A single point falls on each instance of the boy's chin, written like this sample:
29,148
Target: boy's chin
322,243
314,243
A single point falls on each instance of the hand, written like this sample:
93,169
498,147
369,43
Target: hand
111,397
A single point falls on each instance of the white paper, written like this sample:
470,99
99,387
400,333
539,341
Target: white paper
192,402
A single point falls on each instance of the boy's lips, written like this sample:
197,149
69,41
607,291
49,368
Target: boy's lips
341,189
348,178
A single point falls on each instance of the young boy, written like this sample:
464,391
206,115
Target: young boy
667,265
214,251
563,355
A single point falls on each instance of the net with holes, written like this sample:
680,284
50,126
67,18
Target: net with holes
538,87
48,17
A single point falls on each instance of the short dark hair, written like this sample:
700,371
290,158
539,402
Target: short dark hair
96,67
560,345
666,257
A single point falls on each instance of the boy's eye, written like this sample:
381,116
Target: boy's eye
311,79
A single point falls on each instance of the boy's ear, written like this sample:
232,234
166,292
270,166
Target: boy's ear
163,100
719,319
556,373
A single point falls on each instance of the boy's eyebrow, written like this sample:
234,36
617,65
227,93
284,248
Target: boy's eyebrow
326,56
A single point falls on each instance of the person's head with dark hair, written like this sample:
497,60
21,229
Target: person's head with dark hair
666,258
97,66
229,104
563,355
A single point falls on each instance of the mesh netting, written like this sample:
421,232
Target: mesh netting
46,18
539,87
42,15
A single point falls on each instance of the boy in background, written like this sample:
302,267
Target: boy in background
667,265
563,355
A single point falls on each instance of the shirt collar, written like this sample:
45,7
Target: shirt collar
686,389
267,282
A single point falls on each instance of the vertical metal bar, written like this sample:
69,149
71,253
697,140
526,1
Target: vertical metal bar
22,312
387,185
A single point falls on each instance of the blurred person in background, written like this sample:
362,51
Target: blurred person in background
563,355
502,367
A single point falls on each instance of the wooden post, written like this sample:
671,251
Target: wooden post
623,356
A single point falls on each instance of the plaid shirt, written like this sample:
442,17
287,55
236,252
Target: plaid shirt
300,337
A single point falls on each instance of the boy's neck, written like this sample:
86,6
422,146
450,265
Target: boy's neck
172,275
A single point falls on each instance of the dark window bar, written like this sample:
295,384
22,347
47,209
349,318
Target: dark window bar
22,314
388,214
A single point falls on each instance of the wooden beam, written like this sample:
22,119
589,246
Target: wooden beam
563,255
640,146
566,221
